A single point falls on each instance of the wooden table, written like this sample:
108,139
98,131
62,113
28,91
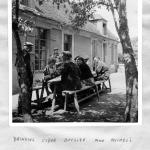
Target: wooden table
56,81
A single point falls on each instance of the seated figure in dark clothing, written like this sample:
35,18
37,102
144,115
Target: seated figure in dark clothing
70,74
86,74
70,78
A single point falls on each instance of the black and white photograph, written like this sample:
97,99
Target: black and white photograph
75,61
74,74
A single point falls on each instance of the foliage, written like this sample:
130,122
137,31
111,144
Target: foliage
24,25
82,12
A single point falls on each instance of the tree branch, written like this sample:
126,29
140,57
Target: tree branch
17,10
114,16
15,28
106,3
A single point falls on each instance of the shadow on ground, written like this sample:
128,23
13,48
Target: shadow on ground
110,108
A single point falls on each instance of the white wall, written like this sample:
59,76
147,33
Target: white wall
55,40
82,46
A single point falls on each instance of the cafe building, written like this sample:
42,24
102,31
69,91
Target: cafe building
52,29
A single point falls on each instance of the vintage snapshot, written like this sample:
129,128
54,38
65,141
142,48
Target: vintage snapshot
75,61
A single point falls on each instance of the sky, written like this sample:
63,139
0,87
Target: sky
132,14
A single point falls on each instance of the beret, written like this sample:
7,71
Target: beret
67,54
28,44
55,48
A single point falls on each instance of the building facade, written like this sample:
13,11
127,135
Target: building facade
52,29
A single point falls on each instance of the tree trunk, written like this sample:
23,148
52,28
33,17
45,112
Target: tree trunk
25,79
131,73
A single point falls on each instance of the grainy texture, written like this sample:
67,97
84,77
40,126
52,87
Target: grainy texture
139,134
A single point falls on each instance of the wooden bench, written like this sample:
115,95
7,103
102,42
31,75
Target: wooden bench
102,85
40,91
98,87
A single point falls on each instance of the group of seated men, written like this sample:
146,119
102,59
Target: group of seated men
74,74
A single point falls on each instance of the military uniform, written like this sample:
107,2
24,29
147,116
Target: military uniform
24,103
71,77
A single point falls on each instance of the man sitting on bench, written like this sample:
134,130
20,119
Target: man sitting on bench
86,76
101,69
70,74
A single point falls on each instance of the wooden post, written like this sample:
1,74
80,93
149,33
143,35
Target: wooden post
54,99
109,84
65,103
76,103
97,93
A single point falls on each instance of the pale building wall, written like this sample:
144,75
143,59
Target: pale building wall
116,54
55,40
82,46
100,26
109,53
99,49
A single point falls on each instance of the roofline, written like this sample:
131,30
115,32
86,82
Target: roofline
98,19
98,35
29,9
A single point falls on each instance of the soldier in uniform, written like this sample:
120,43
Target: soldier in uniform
26,50
24,106
70,73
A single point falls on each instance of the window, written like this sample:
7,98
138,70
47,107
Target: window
40,49
40,2
67,42
24,2
104,52
104,29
